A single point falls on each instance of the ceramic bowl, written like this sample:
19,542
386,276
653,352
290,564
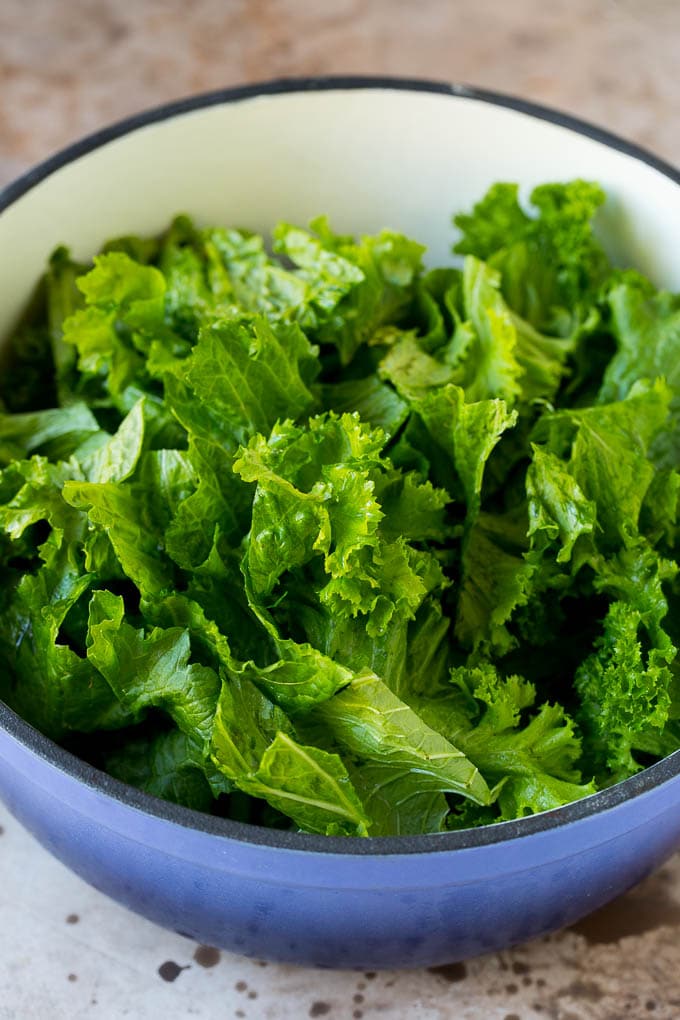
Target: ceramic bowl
370,153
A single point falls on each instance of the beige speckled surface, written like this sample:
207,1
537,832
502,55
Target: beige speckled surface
70,66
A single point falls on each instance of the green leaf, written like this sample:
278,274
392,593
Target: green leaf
115,511
217,587
151,670
624,691
55,433
395,801
302,678
412,509
558,510
117,281
490,367
125,312
384,583
370,722
31,491
219,503
647,332
246,722
609,447
170,766
376,403
116,459
198,288
496,220
496,580
636,575
566,212
388,266
536,758
164,481
543,360
438,295
491,353
253,745
551,264
52,686
244,375
409,656
259,284
208,642
101,351
314,496
63,299
312,786
659,510
329,277
467,432
412,371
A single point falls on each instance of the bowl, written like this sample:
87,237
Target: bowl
370,153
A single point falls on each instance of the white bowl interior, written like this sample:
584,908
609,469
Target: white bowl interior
369,158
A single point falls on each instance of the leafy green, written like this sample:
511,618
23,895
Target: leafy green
558,510
146,670
551,264
467,432
249,374
254,747
374,725
536,759
114,511
610,445
124,311
316,504
625,690
491,351
496,579
56,433
381,270
297,532
646,328
50,684
171,766
376,403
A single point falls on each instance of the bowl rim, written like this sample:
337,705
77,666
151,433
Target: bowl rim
10,192
100,782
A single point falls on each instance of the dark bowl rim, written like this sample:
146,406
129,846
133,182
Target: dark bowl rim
99,782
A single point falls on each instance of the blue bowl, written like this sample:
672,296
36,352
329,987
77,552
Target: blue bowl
401,902
398,902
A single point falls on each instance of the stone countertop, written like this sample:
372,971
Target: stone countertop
68,67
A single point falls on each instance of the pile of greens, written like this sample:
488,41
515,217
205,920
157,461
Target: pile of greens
320,539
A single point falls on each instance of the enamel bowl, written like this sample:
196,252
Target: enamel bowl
371,154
